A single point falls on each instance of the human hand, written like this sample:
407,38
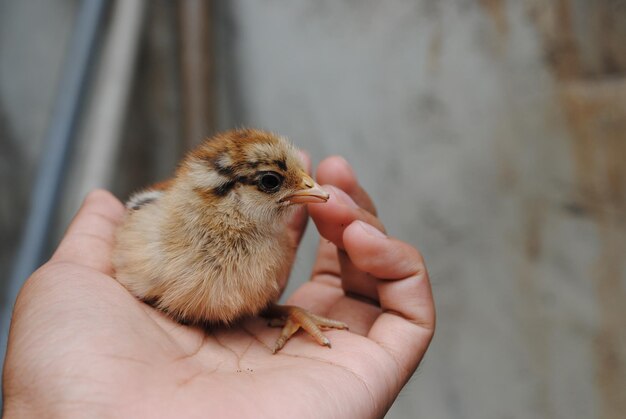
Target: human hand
79,342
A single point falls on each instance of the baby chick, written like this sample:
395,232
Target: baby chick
210,245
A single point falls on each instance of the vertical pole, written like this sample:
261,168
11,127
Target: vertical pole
196,66
57,143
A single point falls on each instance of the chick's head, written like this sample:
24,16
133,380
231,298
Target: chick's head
255,173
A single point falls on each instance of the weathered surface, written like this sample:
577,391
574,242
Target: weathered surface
492,134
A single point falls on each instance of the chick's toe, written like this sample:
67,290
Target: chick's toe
292,318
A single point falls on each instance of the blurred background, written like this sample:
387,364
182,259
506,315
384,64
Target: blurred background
491,133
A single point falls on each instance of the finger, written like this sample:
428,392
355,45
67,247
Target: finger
331,219
335,170
358,315
357,283
337,213
326,266
306,160
407,323
90,237
330,301
297,223
316,297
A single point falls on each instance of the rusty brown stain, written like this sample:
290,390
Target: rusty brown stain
596,116
535,324
507,175
434,48
589,75
553,20
595,48
533,229
496,11
607,21
611,338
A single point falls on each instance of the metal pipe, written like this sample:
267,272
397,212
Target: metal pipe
57,143
196,63
111,89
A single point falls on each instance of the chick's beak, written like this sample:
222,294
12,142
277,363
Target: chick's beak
311,192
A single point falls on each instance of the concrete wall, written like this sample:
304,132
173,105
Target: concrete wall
492,136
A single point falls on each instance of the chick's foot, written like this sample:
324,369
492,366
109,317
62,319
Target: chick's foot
292,318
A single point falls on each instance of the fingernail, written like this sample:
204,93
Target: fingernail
370,229
342,197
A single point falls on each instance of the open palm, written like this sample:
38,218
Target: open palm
80,343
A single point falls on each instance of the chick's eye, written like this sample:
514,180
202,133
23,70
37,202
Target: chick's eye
270,182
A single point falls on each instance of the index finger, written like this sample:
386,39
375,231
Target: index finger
332,217
297,223
335,170
90,237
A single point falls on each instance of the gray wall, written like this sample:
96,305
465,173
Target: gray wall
492,136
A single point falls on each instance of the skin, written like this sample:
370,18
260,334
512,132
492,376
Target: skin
80,343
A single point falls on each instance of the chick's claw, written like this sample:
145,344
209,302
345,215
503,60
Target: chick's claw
292,318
